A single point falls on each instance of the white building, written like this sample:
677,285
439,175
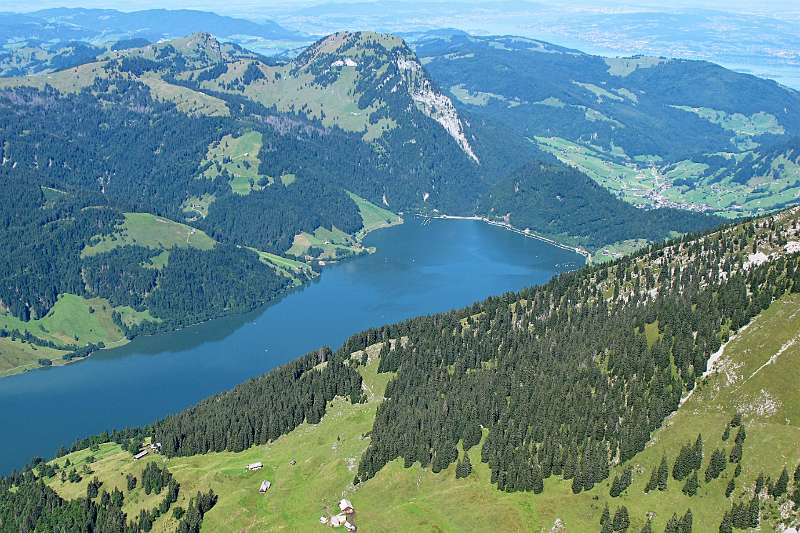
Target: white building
345,506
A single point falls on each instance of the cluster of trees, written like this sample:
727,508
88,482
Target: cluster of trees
689,460
28,504
192,519
563,375
658,477
621,520
262,409
155,478
269,219
43,241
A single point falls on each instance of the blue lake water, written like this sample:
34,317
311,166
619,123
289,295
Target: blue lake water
418,269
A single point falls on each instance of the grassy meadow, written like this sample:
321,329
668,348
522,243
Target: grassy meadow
151,231
238,156
642,183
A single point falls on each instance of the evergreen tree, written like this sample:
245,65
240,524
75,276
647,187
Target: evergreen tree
796,491
686,522
726,526
759,486
621,482
716,465
464,467
736,453
673,525
697,453
663,475
730,487
621,519
753,512
691,485
605,518
779,489
93,488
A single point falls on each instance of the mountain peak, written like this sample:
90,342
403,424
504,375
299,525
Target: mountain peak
386,63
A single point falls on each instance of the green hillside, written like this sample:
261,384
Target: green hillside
149,231
648,386
653,131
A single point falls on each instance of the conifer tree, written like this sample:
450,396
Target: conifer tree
759,486
686,522
753,512
663,475
673,525
621,519
697,453
464,467
796,492
716,465
605,520
726,526
779,489
730,488
691,485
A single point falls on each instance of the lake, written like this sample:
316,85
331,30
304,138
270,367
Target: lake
419,268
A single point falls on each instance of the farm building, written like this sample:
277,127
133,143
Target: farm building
341,520
345,506
265,485
255,466
140,455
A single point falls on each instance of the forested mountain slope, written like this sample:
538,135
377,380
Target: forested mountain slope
653,130
261,167
548,406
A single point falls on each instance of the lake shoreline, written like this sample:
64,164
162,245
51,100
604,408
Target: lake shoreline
419,269
524,232
359,237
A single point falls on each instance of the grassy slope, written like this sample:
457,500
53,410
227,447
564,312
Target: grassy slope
17,356
73,321
404,499
151,231
239,156
336,244
639,184
373,217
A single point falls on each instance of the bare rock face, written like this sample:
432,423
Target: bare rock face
433,103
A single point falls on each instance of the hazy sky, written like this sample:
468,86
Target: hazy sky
258,8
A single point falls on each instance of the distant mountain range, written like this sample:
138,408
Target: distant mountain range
52,39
